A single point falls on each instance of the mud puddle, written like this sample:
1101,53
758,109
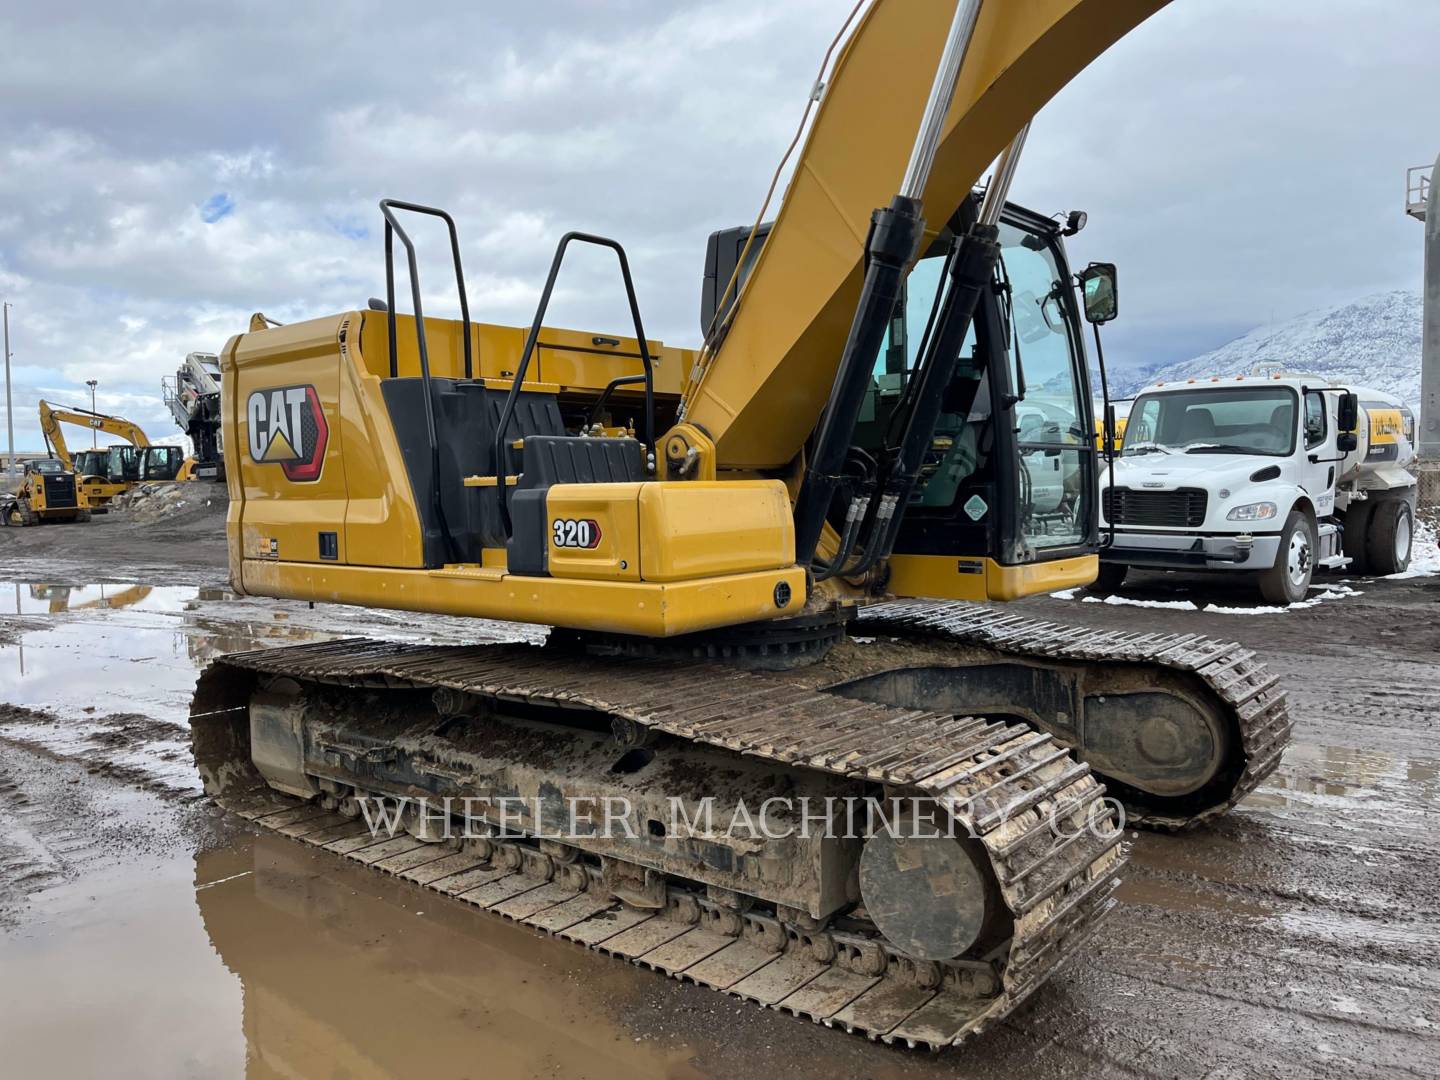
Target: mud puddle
103,647
111,667
266,959
1357,792
1351,772
256,964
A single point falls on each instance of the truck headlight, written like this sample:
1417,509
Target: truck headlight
1258,511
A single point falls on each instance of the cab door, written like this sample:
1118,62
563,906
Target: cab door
1317,445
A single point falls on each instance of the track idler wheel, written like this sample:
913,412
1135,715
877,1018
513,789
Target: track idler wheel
926,894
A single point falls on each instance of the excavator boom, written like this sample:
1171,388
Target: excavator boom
761,394
51,418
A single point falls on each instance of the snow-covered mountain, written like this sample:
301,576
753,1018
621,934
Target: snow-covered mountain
1372,342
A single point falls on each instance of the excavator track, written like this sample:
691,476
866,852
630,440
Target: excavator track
1005,783
1239,687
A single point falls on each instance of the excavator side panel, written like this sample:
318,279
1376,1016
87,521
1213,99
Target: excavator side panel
283,451
306,523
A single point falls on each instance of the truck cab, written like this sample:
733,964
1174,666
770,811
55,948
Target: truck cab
1277,475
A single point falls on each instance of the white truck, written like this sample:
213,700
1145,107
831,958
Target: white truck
1271,474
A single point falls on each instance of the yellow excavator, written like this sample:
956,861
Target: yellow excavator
760,561
109,471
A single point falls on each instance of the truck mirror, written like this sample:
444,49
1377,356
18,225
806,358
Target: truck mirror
1346,442
1348,418
1097,286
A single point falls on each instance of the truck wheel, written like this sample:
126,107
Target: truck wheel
1289,579
1390,537
1110,577
1357,532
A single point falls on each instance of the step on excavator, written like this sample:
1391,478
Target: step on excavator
762,564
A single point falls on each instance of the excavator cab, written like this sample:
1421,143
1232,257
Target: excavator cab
160,463
91,464
1004,504
123,464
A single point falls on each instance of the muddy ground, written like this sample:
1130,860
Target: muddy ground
144,933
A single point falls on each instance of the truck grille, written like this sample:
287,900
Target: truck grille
59,492
1180,509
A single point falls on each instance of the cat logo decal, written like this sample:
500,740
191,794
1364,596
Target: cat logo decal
287,428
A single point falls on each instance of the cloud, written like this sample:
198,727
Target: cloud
1240,162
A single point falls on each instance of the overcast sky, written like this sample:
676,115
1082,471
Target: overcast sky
168,168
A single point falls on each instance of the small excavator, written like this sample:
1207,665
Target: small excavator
761,562
104,473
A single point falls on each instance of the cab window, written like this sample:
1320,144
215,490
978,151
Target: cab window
1314,419
1053,422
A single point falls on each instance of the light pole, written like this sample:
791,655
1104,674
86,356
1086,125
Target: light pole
9,412
92,383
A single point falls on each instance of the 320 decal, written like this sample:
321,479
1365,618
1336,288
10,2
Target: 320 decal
576,532
287,428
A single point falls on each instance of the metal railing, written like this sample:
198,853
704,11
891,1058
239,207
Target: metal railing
1417,190
170,394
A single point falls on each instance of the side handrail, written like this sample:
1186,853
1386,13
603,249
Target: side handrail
508,412
392,228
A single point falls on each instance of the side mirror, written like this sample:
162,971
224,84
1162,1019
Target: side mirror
1348,415
1346,442
1097,286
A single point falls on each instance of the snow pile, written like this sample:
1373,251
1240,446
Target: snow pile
1373,342
1326,594
1330,592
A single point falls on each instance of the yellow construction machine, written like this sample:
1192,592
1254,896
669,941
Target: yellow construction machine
47,492
889,420
111,470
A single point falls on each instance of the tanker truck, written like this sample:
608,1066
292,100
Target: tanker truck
1274,475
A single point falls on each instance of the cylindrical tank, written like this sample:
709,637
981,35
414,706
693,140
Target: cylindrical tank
1385,435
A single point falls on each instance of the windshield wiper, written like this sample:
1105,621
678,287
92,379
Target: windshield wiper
1223,448
1147,448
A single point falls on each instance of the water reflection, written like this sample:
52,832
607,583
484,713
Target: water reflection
124,647
61,598
346,973
1351,774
